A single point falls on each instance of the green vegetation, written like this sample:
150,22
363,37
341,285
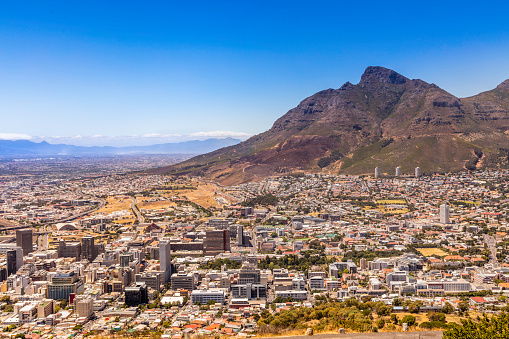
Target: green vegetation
326,161
218,263
263,200
295,262
350,314
485,328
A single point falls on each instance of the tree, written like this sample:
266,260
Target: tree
436,316
409,319
380,323
448,308
463,306
484,328
394,318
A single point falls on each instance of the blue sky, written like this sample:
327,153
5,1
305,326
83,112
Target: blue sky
115,72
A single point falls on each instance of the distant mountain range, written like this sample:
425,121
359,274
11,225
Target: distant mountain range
27,148
386,120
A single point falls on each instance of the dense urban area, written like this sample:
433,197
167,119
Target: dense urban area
100,250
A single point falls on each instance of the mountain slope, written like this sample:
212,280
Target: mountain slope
385,120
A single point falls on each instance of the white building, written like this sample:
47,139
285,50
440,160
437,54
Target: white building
444,214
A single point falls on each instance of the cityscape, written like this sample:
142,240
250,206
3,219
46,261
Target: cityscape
269,169
100,253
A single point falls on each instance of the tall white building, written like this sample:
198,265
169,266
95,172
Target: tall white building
377,172
417,172
398,171
165,258
444,214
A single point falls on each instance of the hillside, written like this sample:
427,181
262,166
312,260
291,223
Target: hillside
386,120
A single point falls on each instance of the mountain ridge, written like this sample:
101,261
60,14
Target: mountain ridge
9,148
385,120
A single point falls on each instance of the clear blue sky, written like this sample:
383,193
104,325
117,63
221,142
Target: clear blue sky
165,67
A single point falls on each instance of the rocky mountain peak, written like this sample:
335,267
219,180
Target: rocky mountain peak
376,75
504,85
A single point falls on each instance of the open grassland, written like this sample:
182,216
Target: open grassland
202,194
391,202
154,205
115,204
429,252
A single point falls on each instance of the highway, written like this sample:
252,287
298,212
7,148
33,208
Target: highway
136,211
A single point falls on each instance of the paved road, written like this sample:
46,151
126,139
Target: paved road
380,335
139,216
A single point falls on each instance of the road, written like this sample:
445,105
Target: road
102,203
139,216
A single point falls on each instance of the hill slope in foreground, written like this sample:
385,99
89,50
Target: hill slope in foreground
386,120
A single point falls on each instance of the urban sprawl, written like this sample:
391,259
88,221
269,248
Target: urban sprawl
176,257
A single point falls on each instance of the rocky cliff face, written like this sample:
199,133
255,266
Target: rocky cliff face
386,120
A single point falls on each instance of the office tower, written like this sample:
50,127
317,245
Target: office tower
377,172
63,285
11,262
217,241
398,171
240,235
444,214
136,294
417,172
87,248
165,258
69,250
363,264
24,239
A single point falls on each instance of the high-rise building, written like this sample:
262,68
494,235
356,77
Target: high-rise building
444,214
165,258
63,284
398,171
69,250
11,262
240,235
363,264
217,241
418,172
24,239
136,294
87,248
377,172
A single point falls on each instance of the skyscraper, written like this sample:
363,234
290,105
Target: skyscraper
417,172
24,239
165,258
87,248
217,241
240,235
398,171
11,262
444,214
377,172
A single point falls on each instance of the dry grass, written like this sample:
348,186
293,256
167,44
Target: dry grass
203,194
154,205
428,252
115,204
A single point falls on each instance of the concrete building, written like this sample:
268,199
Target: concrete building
217,241
377,172
69,250
249,291
418,172
63,284
182,281
204,296
398,171
165,258
84,306
444,214
87,248
24,239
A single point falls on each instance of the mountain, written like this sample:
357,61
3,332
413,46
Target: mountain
386,120
18,148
